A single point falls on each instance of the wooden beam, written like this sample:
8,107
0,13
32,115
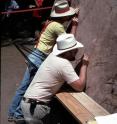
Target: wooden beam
90,104
82,107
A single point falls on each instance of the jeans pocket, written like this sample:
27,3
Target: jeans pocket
41,111
47,109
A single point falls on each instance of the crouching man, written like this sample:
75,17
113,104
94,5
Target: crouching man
51,75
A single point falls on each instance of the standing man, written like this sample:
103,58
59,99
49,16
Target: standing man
52,29
51,75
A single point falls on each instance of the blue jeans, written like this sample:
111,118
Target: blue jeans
36,57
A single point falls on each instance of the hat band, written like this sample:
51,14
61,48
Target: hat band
61,10
68,47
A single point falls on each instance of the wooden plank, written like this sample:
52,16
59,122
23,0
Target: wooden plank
90,104
81,106
77,110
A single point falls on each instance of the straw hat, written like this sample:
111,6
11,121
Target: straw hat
66,42
61,9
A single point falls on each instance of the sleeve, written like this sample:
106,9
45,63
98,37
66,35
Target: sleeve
59,29
68,73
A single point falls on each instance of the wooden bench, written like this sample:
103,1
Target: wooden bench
82,107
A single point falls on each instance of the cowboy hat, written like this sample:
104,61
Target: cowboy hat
66,42
61,9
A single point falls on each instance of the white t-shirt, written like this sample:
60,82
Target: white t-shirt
51,75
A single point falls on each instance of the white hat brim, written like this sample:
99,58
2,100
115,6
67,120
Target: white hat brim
58,52
68,13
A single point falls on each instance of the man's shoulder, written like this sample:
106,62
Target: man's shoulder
57,59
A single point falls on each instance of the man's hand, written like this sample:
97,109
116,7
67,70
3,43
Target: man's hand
85,59
77,10
75,18
75,21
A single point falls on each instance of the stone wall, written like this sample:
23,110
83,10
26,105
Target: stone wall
97,30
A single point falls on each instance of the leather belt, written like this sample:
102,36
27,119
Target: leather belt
34,101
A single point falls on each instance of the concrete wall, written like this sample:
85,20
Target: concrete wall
97,30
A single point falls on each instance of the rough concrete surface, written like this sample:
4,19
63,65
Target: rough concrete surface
97,30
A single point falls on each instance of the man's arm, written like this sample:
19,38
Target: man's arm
75,22
74,26
79,84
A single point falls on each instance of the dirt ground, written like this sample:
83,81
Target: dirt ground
12,70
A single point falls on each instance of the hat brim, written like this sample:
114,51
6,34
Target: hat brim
58,52
68,13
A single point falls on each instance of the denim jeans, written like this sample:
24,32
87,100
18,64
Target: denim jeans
36,57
